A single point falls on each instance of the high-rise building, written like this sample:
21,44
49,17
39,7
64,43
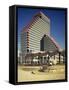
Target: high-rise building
33,34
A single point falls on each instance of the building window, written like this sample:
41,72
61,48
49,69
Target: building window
27,50
44,57
40,16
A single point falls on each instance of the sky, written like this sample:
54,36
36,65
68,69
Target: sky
57,23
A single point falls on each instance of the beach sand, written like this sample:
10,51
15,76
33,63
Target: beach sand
31,73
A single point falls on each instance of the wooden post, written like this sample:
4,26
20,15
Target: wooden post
25,59
54,56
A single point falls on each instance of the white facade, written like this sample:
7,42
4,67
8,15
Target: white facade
36,32
31,36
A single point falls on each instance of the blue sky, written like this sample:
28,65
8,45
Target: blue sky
57,23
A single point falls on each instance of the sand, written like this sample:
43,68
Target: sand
31,73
